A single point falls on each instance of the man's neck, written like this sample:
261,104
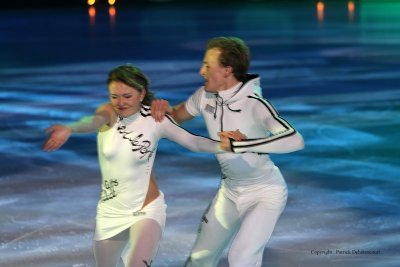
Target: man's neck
230,84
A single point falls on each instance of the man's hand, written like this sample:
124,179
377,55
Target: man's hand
160,107
226,135
58,135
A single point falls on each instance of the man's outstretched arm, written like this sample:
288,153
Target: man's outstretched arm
160,107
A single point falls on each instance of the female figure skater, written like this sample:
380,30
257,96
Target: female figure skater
131,212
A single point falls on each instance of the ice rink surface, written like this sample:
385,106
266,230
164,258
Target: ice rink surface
332,72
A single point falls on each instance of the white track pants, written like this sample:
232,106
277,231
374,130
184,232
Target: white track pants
249,220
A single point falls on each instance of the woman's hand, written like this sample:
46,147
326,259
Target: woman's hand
58,135
227,135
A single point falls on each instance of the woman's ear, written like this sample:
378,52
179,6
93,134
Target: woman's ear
142,95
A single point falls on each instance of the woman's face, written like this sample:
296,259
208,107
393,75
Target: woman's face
124,99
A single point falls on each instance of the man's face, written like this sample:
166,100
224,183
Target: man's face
215,75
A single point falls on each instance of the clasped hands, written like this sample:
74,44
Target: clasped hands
225,137
159,107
